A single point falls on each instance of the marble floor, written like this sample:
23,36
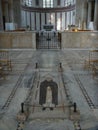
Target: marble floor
75,84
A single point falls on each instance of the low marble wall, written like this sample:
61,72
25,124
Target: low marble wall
27,39
80,39
15,40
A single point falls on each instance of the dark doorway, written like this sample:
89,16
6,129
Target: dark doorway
43,89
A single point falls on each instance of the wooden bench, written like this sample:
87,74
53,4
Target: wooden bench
5,60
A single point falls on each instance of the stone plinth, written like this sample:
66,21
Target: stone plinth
74,115
21,116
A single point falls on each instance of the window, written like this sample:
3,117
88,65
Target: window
37,2
69,2
47,3
27,2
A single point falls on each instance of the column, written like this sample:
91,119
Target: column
23,19
55,21
1,18
73,18
89,11
45,18
30,22
26,18
11,9
40,21
61,21
6,12
35,19
50,18
79,9
65,20
17,12
58,21
96,15
81,12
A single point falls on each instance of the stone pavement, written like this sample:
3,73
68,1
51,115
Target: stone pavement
80,85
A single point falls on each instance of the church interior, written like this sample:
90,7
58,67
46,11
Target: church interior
48,64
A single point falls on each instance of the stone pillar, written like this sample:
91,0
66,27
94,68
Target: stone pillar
65,20
17,12
55,21
11,13
84,14
89,11
1,17
61,21
78,11
6,11
81,12
35,19
96,15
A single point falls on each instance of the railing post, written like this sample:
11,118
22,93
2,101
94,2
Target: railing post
75,107
22,107
36,66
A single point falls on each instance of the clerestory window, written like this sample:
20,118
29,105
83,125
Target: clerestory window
47,3
69,2
37,2
27,2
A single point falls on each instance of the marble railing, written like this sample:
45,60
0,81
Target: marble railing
18,39
83,39
27,39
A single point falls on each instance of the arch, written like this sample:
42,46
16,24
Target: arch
43,88
43,10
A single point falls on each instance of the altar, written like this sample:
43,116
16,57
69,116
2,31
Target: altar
48,27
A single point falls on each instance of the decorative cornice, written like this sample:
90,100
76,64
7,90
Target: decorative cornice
46,10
